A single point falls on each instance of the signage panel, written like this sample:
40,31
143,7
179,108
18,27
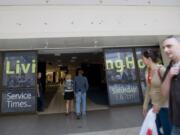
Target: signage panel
19,69
126,93
0,70
19,82
18,100
121,76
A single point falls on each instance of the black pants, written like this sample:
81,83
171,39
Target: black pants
40,105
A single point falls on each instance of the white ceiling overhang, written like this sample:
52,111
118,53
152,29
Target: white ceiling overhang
59,26
93,2
77,44
18,22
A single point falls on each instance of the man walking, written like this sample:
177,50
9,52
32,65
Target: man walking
81,86
171,84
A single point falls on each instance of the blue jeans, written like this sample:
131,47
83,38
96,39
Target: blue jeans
175,130
80,99
162,120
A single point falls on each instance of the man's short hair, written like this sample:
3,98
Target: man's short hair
173,36
80,71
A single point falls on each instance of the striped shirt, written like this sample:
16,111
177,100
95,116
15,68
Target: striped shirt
68,86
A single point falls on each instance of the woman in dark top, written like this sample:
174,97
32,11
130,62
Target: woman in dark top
68,93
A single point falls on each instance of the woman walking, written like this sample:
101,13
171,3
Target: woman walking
153,75
68,93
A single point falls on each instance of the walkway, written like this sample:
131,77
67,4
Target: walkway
116,120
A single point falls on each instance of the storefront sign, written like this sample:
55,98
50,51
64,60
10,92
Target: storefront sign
125,74
0,70
121,76
19,69
19,82
124,93
18,100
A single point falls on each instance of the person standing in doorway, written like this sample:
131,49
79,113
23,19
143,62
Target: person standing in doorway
68,93
81,86
171,82
40,100
154,74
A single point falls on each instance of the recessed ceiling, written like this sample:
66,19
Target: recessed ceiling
73,58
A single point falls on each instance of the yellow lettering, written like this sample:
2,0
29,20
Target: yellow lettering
17,67
119,65
25,68
8,68
140,63
109,64
33,66
130,62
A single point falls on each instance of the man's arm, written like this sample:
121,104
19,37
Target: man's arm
165,87
38,92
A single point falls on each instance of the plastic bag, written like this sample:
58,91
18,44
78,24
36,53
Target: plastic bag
149,124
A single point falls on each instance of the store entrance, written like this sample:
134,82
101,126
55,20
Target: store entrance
54,69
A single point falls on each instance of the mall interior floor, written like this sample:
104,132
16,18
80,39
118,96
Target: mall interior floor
57,103
115,121
49,95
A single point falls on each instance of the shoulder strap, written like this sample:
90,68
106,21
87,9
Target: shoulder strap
159,73
167,70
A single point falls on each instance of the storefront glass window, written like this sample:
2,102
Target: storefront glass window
19,82
125,74
121,76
